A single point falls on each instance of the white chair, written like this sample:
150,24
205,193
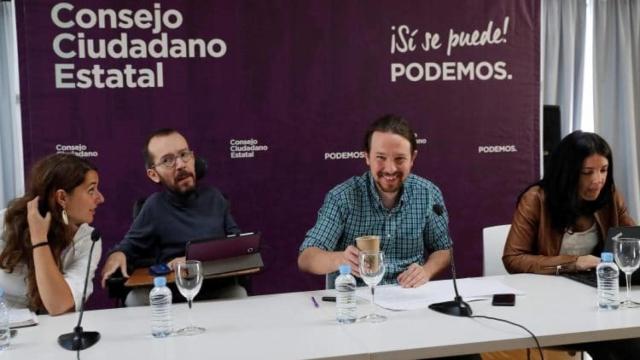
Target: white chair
493,239
330,280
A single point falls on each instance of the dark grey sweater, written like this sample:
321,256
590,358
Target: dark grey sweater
167,221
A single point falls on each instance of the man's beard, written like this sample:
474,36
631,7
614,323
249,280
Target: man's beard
181,175
380,182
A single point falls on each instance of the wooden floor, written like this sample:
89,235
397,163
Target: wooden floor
522,355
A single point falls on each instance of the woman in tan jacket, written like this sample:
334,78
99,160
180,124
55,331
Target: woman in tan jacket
562,220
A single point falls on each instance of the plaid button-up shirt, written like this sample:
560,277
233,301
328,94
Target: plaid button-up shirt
408,232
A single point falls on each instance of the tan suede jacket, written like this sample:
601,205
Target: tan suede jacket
533,246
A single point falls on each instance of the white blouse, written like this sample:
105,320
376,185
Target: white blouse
580,243
74,267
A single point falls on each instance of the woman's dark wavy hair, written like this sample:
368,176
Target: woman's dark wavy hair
561,179
54,172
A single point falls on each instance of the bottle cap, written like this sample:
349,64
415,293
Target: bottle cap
159,281
345,269
606,257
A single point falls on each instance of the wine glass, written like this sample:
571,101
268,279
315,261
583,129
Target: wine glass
627,254
372,270
189,281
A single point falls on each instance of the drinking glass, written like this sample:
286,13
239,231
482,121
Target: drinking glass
189,281
371,271
627,254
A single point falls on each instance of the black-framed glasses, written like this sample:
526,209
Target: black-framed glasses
169,160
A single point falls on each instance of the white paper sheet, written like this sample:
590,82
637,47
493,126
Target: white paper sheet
393,297
22,317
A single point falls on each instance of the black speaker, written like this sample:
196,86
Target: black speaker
550,131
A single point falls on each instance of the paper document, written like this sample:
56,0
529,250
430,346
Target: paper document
394,297
21,318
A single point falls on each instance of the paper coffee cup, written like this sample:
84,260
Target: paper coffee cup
368,243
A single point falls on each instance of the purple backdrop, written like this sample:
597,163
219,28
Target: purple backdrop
295,83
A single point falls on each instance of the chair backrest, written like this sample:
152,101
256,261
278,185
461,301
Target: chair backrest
493,239
330,280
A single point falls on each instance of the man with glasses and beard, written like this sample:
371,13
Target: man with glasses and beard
170,218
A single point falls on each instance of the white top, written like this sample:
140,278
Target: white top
580,243
74,267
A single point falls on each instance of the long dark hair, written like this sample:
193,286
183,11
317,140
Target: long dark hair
52,173
561,179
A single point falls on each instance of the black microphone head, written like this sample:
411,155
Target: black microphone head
95,235
438,209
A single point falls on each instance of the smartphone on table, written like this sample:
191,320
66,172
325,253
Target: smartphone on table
159,269
504,300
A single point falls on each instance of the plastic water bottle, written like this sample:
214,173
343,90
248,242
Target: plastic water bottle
608,286
160,300
346,298
5,332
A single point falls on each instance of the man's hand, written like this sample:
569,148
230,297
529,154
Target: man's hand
115,261
587,262
414,276
173,264
351,256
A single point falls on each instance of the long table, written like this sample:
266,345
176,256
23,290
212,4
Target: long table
289,326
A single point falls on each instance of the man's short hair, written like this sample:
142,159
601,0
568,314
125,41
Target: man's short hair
148,158
391,123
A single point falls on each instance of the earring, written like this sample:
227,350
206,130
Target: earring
65,217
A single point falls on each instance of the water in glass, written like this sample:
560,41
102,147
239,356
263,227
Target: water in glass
372,270
189,278
627,254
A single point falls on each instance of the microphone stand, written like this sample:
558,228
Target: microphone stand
457,307
79,339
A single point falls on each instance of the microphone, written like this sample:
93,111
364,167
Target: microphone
79,339
457,307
